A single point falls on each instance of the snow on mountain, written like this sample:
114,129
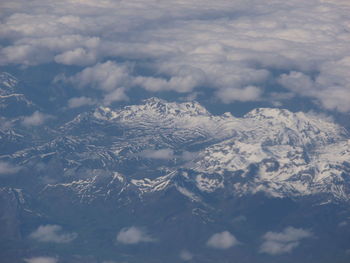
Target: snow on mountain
177,116
280,126
155,123
274,151
153,108
148,185
283,154
266,126
8,84
13,102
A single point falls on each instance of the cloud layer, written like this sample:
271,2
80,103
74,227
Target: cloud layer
238,48
283,242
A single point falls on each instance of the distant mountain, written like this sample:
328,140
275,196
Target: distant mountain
274,151
8,84
13,103
183,174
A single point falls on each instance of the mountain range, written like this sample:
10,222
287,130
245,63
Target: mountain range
169,182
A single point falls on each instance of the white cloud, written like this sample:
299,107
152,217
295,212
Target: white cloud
343,224
183,46
106,76
330,87
167,154
188,156
297,82
162,154
250,93
133,235
20,54
52,233
115,95
7,168
5,124
276,243
239,219
36,119
223,240
185,255
41,260
78,56
80,101
183,79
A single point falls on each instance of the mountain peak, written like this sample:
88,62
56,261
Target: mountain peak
269,113
264,125
154,101
192,108
8,84
154,108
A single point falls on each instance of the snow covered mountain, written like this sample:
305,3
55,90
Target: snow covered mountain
13,102
8,84
159,144
163,164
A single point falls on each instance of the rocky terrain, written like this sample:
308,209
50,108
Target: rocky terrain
179,173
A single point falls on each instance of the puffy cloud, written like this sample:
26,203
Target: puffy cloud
115,95
61,49
297,82
183,46
7,168
239,219
168,154
78,56
185,255
133,235
223,240
41,260
106,76
183,79
283,242
5,123
36,119
188,156
331,86
80,101
343,224
52,233
21,54
162,154
250,93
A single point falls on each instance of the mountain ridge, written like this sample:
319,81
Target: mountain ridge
162,164
268,150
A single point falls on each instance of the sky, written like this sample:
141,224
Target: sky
249,51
